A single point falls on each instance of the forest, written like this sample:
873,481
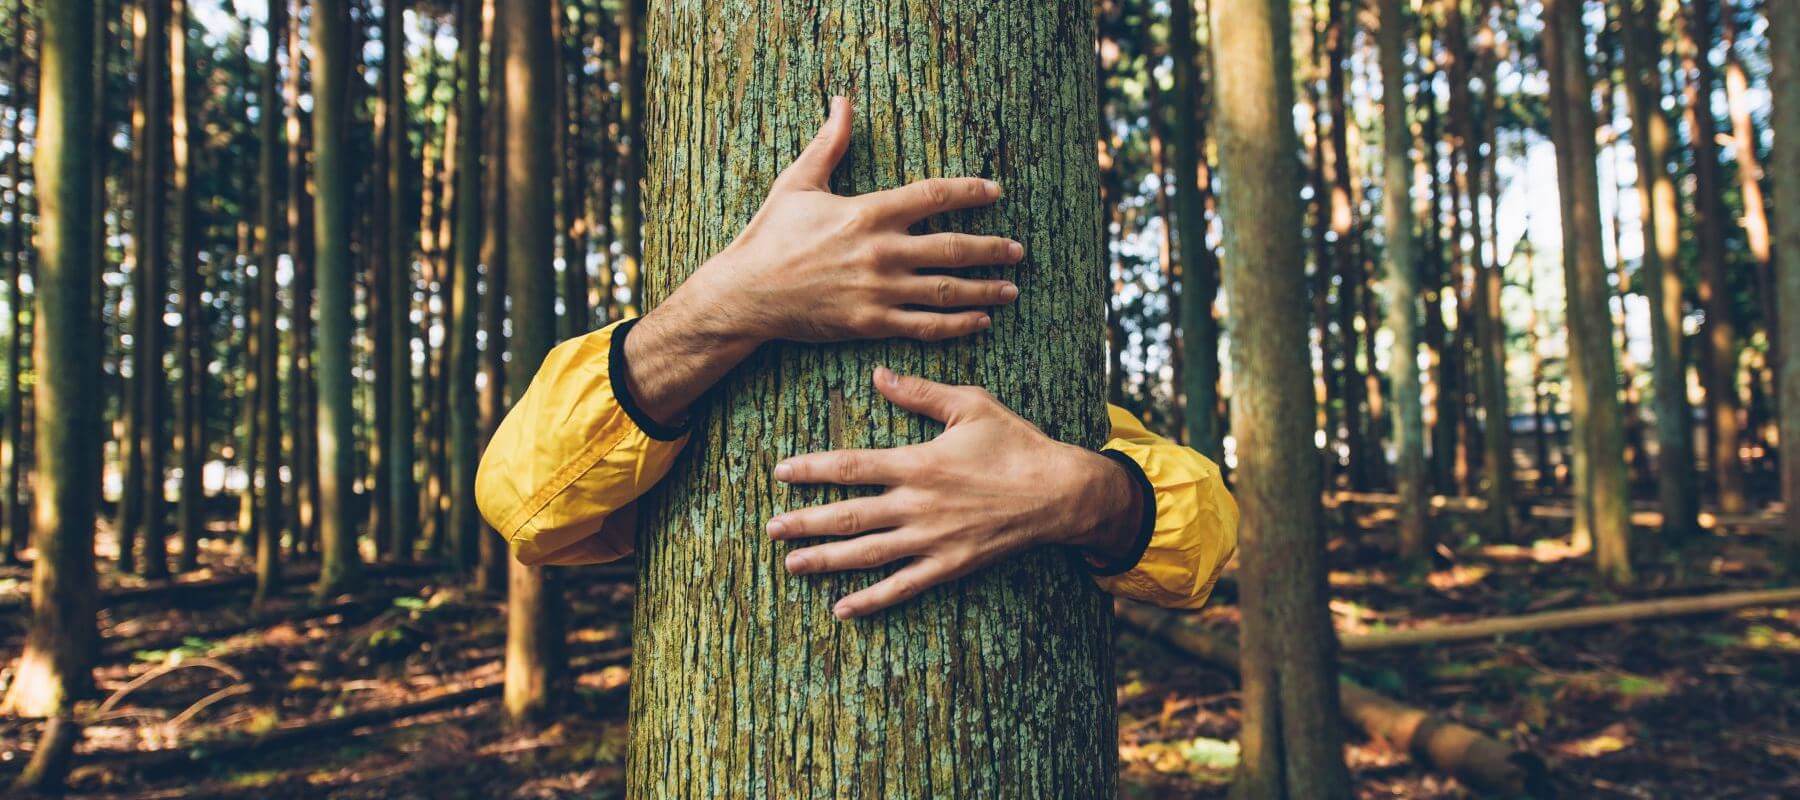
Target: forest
1479,306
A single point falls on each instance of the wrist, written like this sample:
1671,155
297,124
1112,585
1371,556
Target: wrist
1121,514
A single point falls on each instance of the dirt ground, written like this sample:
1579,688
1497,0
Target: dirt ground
1705,706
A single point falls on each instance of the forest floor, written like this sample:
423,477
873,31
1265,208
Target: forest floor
1703,706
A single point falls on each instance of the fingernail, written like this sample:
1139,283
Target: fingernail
1008,292
840,611
837,104
884,376
992,188
777,528
784,471
984,322
1016,250
795,563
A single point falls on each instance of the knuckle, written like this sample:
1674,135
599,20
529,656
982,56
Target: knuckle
953,249
906,588
930,330
945,290
848,469
847,520
937,191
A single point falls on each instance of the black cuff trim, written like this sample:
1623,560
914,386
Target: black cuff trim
1146,521
615,369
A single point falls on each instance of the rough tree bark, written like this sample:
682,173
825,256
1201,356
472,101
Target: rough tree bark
1600,481
534,625
61,640
1292,737
338,559
1001,684
1402,282
1653,138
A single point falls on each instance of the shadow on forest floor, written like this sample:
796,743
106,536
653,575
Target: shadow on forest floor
1692,707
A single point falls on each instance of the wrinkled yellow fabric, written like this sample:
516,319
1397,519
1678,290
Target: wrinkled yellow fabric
559,478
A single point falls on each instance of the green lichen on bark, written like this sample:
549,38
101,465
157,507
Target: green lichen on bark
999,684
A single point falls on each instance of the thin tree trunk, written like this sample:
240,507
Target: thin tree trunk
1600,483
631,151
494,555
1292,736
1490,333
273,160
17,527
1750,172
61,640
331,228
1199,268
1653,139
1402,284
1341,185
153,254
1718,363
465,521
301,376
1025,644
397,456
534,632
186,139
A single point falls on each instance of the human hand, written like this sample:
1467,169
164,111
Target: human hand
818,267
989,486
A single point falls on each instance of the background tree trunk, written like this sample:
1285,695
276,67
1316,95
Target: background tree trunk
1199,269
1652,137
465,522
1784,84
1292,737
397,451
17,531
272,162
1000,685
152,265
534,629
338,556
1402,283
61,640
191,523
1600,483
631,152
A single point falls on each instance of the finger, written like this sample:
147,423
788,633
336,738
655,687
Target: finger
862,552
944,291
812,170
932,326
846,467
939,401
842,518
959,250
903,585
920,199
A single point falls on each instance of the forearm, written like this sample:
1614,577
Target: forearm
1110,509
679,350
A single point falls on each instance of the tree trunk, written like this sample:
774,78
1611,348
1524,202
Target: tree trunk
1490,326
301,377
273,160
1718,363
152,264
1199,268
1402,283
572,87
331,230
1600,483
465,521
534,629
494,555
397,456
1749,173
1784,85
1652,137
61,640
17,530
1009,690
186,138
631,151
1341,185
1292,737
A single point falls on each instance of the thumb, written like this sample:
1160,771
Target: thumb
938,401
812,170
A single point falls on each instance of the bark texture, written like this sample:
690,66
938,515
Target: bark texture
1292,737
999,685
60,639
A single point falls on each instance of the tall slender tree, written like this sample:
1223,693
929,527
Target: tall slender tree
534,631
465,522
1292,738
631,150
190,515
152,243
331,227
1402,281
397,440
1199,268
61,641
271,163
1653,139
12,500
1600,481
494,556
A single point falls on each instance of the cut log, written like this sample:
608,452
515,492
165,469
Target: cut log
1444,744
1568,618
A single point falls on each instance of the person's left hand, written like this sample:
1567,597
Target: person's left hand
989,486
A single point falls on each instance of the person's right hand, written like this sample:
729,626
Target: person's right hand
818,267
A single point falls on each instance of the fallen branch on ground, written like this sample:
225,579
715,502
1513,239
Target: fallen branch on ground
1442,743
1568,618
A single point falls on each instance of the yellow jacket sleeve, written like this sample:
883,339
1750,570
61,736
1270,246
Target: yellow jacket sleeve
1190,533
562,470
